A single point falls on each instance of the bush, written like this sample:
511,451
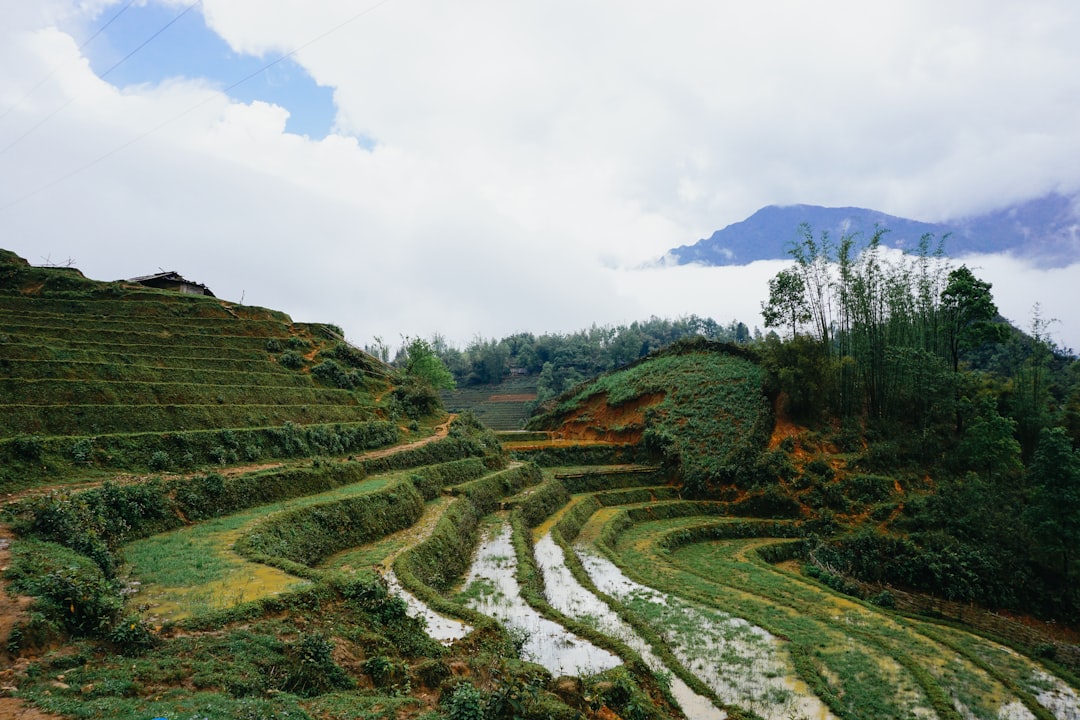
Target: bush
313,670
29,447
70,589
330,373
160,460
291,359
465,703
82,451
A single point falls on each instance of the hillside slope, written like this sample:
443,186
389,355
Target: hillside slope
116,375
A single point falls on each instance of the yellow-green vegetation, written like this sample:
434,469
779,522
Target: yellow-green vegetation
98,377
698,405
304,502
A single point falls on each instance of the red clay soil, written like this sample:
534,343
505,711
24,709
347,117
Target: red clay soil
783,428
594,420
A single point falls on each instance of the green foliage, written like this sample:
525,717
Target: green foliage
71,590
543,501
160,460
424,365
1054,512
416,399
312,668
308,535
712,417
291,359
330,373
465,703
989,444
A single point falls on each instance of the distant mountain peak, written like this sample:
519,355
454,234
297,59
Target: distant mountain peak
1045,229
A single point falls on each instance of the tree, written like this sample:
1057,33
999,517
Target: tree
989,443
787,305
1054,512
967,307
425,365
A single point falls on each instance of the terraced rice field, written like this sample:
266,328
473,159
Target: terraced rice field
725,631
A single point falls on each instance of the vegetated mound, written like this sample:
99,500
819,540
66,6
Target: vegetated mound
118,375
698,405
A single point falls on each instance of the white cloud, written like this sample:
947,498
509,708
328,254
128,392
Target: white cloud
526,154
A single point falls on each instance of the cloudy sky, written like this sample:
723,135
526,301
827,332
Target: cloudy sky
478,168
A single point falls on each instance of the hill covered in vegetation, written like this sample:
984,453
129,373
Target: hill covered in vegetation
770,528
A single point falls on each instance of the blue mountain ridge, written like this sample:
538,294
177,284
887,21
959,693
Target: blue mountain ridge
1046,230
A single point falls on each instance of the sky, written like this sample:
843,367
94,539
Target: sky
480,168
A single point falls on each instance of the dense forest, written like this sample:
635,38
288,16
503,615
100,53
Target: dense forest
905,362
561,361
907,357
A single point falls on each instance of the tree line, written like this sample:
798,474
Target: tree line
559,361
906,358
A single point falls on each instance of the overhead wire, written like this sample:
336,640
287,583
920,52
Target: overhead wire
123,146
59,65
33,128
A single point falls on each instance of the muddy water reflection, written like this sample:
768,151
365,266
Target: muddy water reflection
444,629
491,588
742,663
566,595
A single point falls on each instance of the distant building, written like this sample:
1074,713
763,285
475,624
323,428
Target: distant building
172,281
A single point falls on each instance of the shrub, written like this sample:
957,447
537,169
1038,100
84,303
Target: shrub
160,460
29,447
71,590
330,373
465,703
313,670
291,359
82,451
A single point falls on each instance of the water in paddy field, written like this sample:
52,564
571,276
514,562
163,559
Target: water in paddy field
439,627
494,591
1057,697
569,597
742,663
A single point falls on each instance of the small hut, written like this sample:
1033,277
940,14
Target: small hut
172,281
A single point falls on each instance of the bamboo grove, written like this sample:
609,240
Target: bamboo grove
884,332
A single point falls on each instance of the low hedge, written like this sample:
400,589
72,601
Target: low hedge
541,502
108,419
311,534
37,456
574,455
87,370
86,391
608,478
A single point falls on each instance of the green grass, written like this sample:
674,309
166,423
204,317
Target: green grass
858,650
713,414
194,567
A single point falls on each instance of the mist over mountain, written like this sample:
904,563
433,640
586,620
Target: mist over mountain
1045,230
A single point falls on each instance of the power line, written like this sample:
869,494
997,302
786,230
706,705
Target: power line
103,75
123,146
56,69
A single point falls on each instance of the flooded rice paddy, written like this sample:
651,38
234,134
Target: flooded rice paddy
569,597
743,664
491,587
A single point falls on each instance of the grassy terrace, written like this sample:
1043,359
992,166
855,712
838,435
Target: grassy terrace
862,660
195,570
